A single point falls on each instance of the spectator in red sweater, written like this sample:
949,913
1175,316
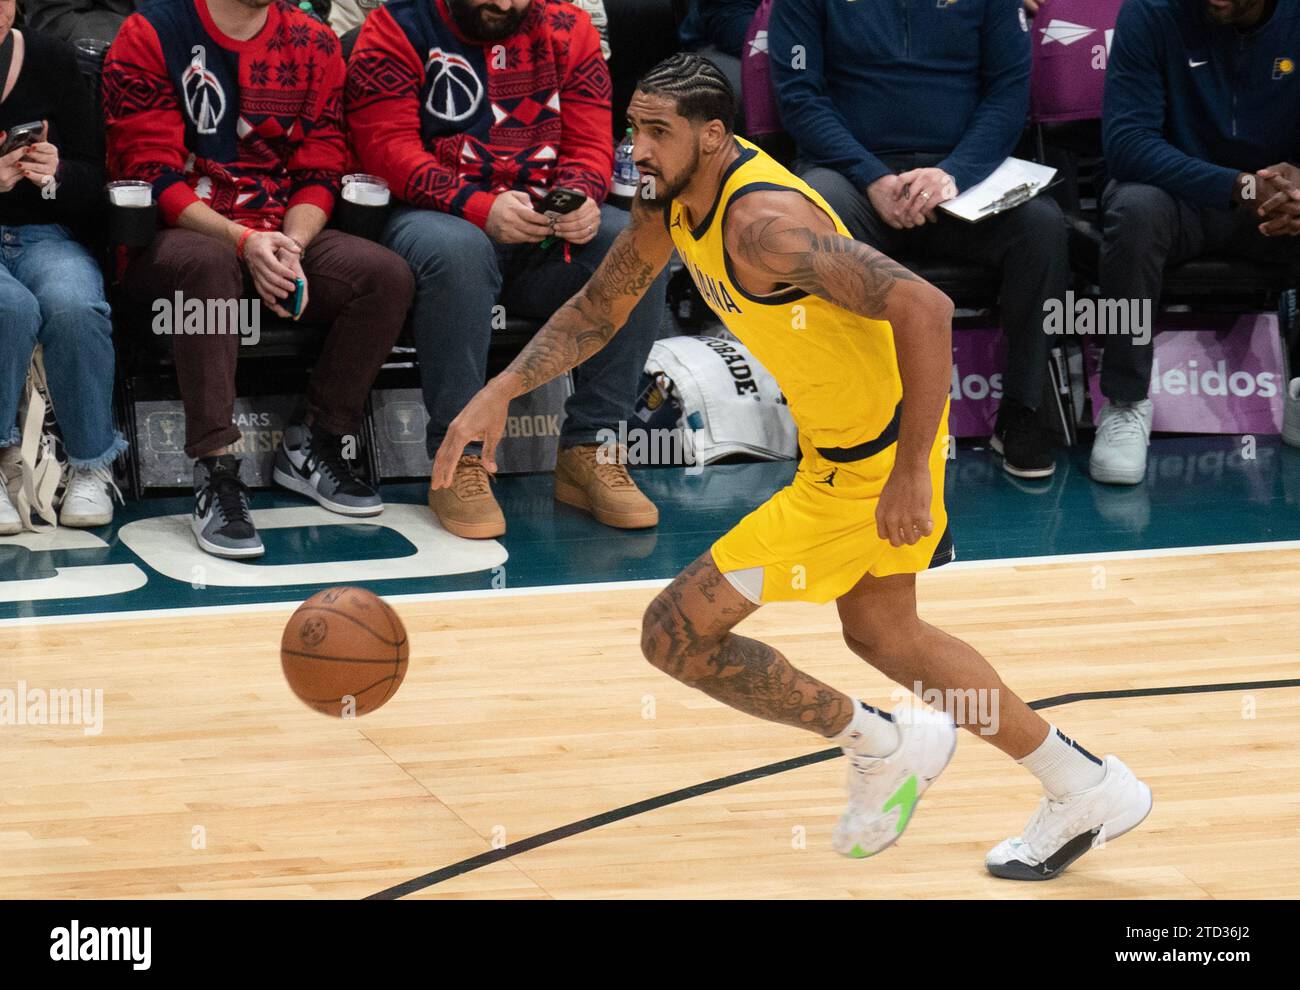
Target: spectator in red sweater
232,110
472,110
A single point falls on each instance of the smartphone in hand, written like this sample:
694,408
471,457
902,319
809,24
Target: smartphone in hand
560,201
21,136
294,305
555,204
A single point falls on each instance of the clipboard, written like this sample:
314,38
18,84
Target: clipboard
1012,183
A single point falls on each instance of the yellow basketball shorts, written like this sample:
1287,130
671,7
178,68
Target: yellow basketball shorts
816,538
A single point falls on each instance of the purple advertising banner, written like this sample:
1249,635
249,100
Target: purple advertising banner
977,356
1211,373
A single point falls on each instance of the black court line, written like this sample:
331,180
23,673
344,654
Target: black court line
696,790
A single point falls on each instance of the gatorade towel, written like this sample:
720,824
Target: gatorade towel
727,401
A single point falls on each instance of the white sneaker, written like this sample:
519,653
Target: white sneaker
10,522
1291,414
1119,454
1061,831
88,499
884,790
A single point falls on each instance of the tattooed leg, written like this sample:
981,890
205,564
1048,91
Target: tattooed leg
687,634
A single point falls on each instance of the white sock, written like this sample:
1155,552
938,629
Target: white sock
1063,766
871,732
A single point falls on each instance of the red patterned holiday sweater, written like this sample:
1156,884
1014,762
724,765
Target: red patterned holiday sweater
449,123
249,127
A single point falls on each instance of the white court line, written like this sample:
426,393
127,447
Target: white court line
565,589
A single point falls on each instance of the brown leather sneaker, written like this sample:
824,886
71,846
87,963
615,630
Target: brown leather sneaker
467,507
604,490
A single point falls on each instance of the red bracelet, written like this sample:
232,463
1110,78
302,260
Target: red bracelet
243,238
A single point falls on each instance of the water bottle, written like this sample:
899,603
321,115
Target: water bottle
626,178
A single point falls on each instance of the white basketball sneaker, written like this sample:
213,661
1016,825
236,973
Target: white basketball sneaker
1119,452
10,521
884,790
88,498
1061,831
1291,414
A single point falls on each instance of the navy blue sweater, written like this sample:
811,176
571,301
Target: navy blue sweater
891,76
1190,104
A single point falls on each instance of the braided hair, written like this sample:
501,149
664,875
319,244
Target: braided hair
700,89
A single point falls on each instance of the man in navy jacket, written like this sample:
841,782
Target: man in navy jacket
1201,125
897,107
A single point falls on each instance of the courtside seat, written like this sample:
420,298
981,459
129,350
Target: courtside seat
1213,282
1066,88
641,33
970,286
278,338
1214,277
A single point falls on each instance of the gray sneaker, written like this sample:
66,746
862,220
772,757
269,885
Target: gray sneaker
222,522
1119,453
310,462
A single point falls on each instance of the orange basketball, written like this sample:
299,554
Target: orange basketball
344,652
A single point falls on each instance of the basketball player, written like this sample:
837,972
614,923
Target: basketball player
862,350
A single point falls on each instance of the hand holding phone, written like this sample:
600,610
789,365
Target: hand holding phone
558,202
21,136
40,159
296,301
272,260
514,220
297,298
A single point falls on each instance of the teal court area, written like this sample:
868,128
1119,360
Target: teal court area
1199,492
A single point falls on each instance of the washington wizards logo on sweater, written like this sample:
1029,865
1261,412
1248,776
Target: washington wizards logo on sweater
205,100
455,90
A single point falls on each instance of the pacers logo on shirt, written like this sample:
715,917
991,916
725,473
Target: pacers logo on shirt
205,100
1283,67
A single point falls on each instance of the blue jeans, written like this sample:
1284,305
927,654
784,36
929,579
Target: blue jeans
461,274
52,294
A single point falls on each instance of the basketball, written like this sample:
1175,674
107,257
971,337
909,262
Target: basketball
344,652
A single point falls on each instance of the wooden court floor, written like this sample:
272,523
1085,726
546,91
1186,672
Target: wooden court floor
534,716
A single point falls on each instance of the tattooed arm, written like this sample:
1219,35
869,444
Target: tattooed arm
779,237
575,332
585,323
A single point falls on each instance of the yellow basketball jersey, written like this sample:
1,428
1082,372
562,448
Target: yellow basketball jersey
838,370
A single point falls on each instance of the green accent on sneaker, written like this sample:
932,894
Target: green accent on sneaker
905,797
857,852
